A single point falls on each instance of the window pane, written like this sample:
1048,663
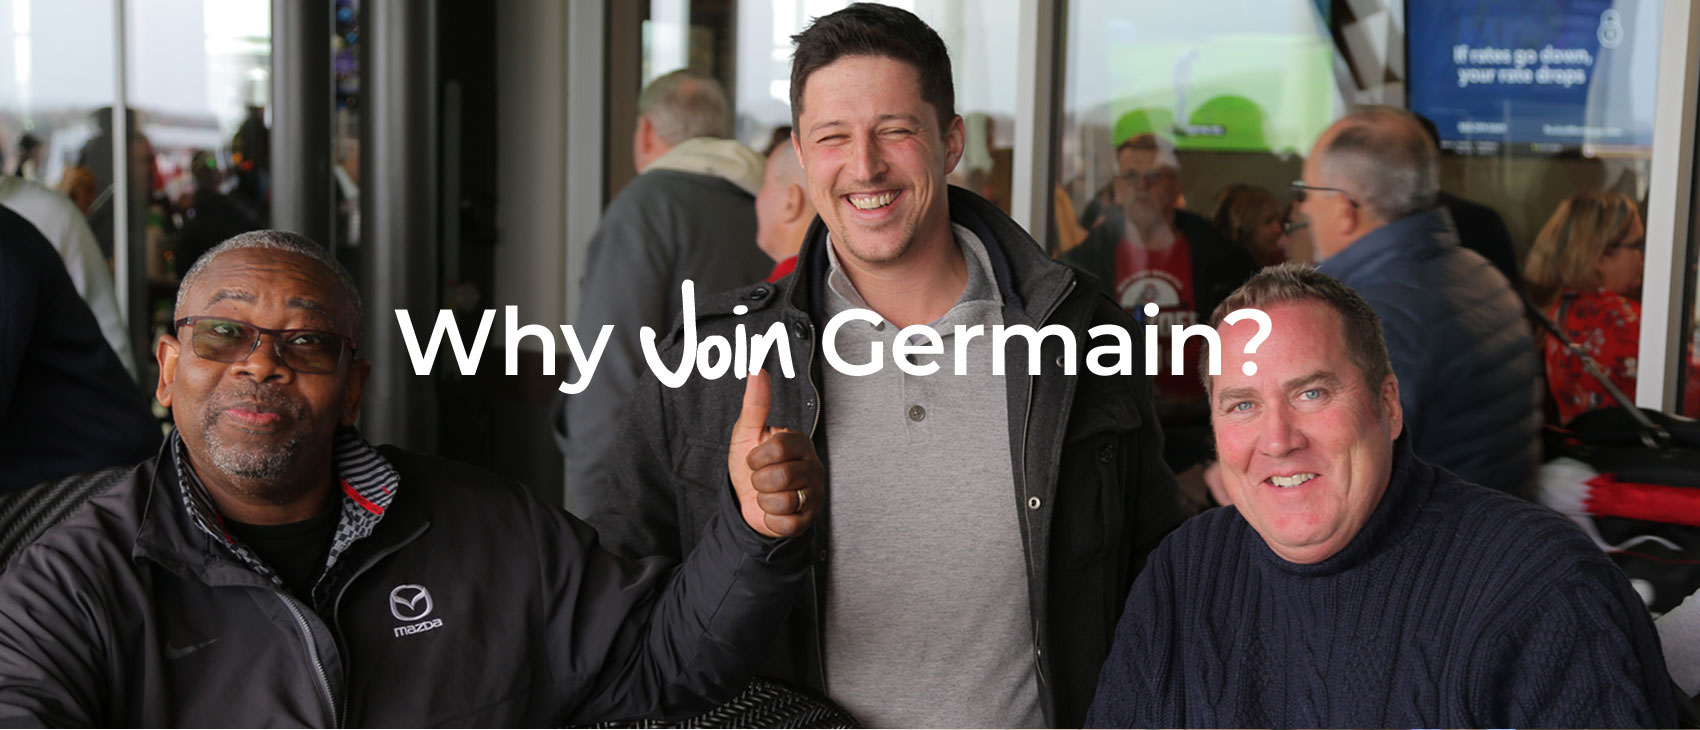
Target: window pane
1533,103
198,78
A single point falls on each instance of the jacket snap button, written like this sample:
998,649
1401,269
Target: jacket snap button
1032,503
1059,361
917,413
1107,453
758,294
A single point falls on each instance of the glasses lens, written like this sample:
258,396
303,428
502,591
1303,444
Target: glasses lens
312,352
222,340
1298,192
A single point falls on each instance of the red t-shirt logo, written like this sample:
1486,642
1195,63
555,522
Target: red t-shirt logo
1163,277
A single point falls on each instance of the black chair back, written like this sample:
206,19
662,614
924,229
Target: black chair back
26,513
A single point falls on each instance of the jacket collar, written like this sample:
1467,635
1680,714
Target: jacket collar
1027,279
194,537
1428,230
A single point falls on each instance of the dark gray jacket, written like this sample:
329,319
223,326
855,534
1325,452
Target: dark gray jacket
1469,375
664,227
1090,485
471,603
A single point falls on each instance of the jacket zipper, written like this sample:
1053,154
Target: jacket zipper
809,369
814,582
336,602
1026,426
313,651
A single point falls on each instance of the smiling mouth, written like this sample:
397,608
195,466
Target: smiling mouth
872,201
254,418
1288,482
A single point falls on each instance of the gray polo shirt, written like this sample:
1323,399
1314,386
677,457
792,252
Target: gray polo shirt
927,617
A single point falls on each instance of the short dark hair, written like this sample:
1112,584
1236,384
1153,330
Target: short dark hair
868,29
1360,327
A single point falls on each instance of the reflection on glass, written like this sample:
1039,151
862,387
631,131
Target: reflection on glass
345,142
197,83
56,91
1532,102
981,36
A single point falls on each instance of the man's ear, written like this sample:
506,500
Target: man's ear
955,140
794,199
643,143
1351,219
1390,405
166,352
354,390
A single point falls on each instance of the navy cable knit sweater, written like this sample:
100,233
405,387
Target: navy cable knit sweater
1456,606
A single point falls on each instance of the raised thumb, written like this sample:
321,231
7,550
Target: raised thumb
758,398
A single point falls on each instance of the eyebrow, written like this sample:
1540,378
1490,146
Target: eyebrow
1319,377
242,295
232,294
309,305
910,118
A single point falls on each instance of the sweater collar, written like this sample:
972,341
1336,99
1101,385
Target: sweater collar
1409,486
1429,229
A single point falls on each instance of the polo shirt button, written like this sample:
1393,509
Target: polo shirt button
1033,503
917,414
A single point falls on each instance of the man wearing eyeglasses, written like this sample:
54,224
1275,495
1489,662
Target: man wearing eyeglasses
1469,376
270,567
1156,253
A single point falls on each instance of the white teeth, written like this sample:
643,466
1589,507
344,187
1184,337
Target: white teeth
1291,481
870,202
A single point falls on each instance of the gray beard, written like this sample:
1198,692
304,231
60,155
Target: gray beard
260,464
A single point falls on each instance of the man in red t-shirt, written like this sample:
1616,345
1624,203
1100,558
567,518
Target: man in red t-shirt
1154,262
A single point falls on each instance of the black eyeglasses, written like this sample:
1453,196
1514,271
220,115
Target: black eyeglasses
228,340
1300,189
1135,177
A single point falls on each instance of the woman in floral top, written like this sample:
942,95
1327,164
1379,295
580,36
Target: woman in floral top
1585,271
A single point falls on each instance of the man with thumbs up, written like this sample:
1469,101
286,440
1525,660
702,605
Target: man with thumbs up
983,529
269,566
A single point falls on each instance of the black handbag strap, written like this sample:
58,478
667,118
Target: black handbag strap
1652,434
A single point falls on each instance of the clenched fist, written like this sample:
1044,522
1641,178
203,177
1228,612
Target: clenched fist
779,479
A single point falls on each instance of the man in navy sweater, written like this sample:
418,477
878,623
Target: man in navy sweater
1351,584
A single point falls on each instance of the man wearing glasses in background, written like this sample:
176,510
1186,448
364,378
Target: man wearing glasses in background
1469,375
1156,253
269,567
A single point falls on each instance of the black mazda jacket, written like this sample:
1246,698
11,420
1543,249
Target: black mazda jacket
469,603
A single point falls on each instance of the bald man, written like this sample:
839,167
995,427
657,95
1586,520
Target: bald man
689,214
1469,376
783,209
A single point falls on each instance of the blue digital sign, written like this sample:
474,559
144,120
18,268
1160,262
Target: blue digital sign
1534,75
